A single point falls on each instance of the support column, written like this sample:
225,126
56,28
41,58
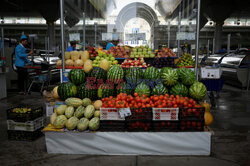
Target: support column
51,34
218,35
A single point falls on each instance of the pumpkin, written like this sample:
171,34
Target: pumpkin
69,62
59,63
74,55
208,118
54,93
84,55
88,65
104,64
78,63
206,106
67,55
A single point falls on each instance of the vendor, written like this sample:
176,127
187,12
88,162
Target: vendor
110,44
20,62
72,46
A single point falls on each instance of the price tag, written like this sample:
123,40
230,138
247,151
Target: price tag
124,112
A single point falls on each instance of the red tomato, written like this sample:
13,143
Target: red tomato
135,94
161,97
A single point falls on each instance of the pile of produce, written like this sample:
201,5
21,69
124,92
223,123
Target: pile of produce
156,101
77,114
92,52
119,51
134,63
185,60
142,52
103,60
74,59
164,52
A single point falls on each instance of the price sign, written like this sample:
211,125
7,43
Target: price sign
124,112
74,37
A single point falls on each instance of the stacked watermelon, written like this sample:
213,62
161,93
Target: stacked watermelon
115,74
77,76
87,91
134,76
105,90
67,90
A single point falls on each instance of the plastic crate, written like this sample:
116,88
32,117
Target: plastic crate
24,135
140,114
213,84
110,114
192,113
165,126
139,125
26,126
192,125
23,117
112,125
165,114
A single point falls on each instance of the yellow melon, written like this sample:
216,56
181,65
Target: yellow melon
98,104
208,118
88,65
54,93
206,106
78,63
69,62
59,63
74,55
67,55
104,64
84,55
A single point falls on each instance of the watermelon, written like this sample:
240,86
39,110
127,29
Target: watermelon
73,101
134,76
124,88
85,91
94,123
86,102
67,90
142,89
198,91
115,74
152,73
159,90
98,73
71,123
60,122
89,111
186,76
77,76
169,76
179,89
69,112
105,90
83,124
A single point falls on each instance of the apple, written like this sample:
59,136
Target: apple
147,56
152,55
127,66
132,64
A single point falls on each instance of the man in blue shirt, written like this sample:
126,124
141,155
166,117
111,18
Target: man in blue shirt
72,47
109,45
20,62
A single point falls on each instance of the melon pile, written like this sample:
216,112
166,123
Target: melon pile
74,59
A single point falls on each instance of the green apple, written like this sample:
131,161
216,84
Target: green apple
112,58
97,58
110,55
141,55
146,55
132,55
137,56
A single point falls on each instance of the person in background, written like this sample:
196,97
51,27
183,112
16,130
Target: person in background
72,47
20,62
110,44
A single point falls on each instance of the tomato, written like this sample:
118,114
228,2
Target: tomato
130,105
175,106
159,106
147,100
103,99
135,94
164,105
147,105
156,98
132,102
143,100
193,123
185,103
144,95
161,97
143,106
139,104
166,95
169,105
138,99
189,106
110,97
173,102
152,105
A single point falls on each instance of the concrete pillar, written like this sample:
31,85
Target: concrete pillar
51,34
218,35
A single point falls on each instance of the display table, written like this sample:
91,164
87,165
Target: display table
128,143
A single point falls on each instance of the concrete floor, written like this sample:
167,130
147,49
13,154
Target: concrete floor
230,144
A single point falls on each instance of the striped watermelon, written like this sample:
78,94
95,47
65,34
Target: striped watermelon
98,73
159,90
169,76
105,90
66,90
84,91
142,89
115,74
186,76
77,76
152,73
179,89
124,88
134,75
